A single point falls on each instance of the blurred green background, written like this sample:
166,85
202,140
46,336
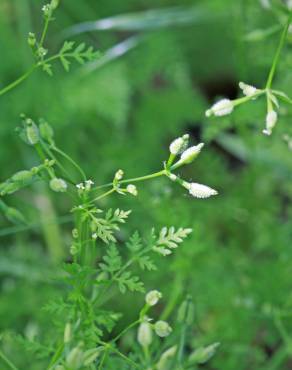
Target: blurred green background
152,84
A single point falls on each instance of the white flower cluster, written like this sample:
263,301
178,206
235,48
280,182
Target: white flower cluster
161,328
187,156
85,186
130,189
225,106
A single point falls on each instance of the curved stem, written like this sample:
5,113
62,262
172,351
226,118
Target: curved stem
18,81
71,161
125,330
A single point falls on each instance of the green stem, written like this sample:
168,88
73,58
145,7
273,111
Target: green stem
18,81
42,156
245,99
45,30
30,71
71,161
103,359
7,361
278,52
103,195
142,178
135,179
62,168
56,356
125,330
113,349
180,352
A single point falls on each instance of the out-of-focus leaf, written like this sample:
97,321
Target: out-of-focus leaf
143,21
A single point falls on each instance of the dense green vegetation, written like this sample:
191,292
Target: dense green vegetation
140,74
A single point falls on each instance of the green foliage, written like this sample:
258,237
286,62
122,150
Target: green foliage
82,308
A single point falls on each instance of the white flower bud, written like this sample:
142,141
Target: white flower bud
248,90
58,185
202,354
119,175
166,358
144,336
162,328
221,108
132,189
178,145
271,120
91,355
74,358
199,190
190,154
153,297
67,333
31,39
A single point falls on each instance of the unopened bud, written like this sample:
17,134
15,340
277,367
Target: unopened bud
162,328
58,185
31,39
91,355
166,358
153,297
203,354
145,334
74,358
46,131
179,145
186,312
32,132
221,108
131,189
67,333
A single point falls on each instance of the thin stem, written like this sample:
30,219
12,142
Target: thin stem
180,352
103,195
62,168
71,161
103,358
56,356
278,52
125,330
7,361
135,179
142,178
245,99
18,81
109,347
30,71
45,30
